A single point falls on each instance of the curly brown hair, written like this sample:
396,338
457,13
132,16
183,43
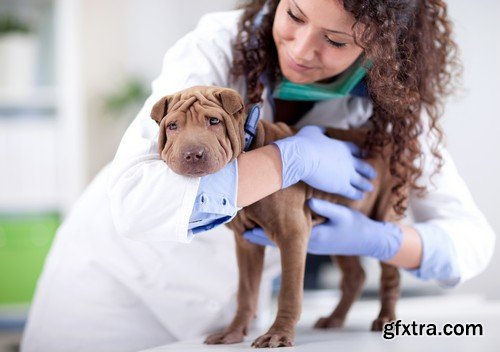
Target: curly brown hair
414,66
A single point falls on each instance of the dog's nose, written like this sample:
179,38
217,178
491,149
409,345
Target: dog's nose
194,155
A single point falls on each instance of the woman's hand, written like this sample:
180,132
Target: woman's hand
346,232
324,163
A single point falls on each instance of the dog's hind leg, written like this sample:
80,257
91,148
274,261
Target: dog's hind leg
351,285
389,295
250,263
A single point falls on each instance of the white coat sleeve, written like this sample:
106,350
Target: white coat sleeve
148,200
458,241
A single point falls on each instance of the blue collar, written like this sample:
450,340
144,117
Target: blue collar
251,126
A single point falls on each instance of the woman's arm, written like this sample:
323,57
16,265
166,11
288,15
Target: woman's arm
457,240
259,174
409,255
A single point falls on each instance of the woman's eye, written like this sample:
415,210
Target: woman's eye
214,121
293,17
172,126
334,43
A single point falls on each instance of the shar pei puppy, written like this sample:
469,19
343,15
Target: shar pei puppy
201,129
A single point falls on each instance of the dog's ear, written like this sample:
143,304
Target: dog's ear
231,100
232,103
160,109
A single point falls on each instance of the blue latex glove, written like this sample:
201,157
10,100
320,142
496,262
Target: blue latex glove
324,163
346,232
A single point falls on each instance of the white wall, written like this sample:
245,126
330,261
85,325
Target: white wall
132,36
472,120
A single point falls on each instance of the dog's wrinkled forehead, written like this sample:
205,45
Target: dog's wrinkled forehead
195,98
224,102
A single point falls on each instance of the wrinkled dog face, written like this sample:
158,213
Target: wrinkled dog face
201,129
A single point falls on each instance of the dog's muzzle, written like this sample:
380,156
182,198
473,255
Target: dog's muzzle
194,161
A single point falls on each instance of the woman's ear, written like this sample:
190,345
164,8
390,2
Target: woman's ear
231,100
160,109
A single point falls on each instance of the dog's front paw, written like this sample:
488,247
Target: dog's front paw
274,339
225,338
329,323
378,324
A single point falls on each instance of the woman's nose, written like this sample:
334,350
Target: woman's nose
303,47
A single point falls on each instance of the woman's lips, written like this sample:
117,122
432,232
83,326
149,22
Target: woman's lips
294,65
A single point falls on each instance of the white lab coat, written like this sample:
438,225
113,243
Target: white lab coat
121,276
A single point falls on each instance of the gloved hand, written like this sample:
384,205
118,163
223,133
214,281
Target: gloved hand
346,232
324,163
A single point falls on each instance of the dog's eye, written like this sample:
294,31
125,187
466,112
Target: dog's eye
172,126
214,121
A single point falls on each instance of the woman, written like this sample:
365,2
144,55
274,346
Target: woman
120,276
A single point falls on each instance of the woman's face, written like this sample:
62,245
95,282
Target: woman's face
314,39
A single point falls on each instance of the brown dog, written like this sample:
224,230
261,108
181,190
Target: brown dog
201,130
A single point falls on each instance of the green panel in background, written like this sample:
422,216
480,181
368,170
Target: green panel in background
25,240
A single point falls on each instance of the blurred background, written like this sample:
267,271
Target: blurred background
74,73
